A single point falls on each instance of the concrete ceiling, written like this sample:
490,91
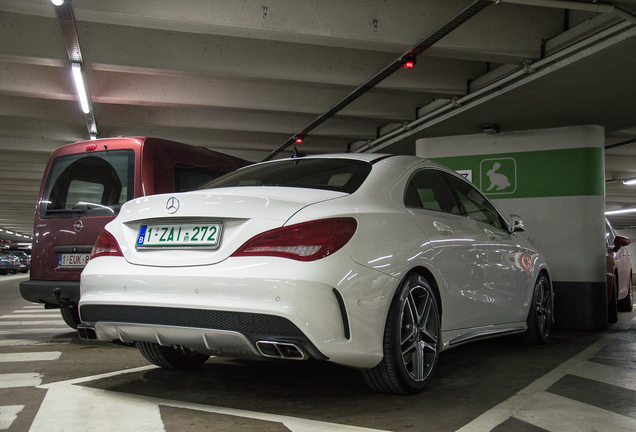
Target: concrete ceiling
242,77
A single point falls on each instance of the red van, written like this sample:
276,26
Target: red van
83,188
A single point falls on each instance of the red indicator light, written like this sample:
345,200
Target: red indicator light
408,61
299,140
91,147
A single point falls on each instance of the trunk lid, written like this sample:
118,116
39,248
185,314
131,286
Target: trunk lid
242,213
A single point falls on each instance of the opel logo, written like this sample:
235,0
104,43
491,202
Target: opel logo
78,225
172,205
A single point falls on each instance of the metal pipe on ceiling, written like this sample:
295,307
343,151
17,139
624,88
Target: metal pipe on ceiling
572,5
483,94
417,49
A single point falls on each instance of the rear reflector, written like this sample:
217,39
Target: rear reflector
307,241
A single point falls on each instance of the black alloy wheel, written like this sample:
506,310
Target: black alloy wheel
412,340
541,313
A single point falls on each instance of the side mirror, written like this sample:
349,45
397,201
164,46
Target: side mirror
620,241
517,223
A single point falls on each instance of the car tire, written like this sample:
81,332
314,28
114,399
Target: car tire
171,357
627,304
70,316
541,313
412,340
612,305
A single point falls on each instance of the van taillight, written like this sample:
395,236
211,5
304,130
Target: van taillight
106,245
306,241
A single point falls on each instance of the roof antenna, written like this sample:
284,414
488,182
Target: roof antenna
296,154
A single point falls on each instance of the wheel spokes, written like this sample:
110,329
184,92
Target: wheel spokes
419,333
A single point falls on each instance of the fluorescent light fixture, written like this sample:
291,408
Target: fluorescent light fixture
78,76
621,211
630,182
57,2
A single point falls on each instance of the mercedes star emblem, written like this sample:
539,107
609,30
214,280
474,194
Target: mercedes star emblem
172,205
78,225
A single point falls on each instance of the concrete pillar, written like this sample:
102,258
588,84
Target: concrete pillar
554,179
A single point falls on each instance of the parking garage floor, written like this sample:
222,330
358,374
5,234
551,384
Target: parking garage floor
50,380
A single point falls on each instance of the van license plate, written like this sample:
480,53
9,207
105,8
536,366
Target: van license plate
72,260
182,235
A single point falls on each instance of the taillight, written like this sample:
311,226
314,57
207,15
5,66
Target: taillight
307,241
106,245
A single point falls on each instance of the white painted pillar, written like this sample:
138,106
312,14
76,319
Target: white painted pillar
554,179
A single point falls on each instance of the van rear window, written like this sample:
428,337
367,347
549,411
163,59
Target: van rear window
95,184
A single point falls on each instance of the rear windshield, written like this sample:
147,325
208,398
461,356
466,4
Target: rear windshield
341,175
95,184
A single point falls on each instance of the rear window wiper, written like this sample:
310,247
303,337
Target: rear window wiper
66,211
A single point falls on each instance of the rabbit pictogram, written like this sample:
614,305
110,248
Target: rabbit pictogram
497,179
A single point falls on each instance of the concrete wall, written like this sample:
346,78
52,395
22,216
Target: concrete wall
554,179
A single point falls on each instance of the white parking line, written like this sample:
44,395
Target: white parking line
50,315
552,412
34,309
20,380
34,342
67,407
32,323
40,330
26,357
8,414
514,406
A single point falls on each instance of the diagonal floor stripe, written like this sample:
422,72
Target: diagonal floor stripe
49,315
69,407
617,376
513,405
556,413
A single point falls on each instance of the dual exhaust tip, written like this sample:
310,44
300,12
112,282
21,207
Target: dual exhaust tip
271,349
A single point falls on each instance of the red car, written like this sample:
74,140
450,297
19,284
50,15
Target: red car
83,188
620,293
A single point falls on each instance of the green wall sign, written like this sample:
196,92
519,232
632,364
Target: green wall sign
549,173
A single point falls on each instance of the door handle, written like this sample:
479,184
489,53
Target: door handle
444,230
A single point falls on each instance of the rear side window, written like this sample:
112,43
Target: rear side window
428,190
341,175
93,184
475,205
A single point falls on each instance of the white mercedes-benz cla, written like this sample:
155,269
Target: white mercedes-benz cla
377,262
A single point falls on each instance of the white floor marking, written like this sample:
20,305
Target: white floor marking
557,413
76,408
41,330
34,342
39,306
613,375
49,315
33,310
20,380
8,414
68,407
30,323
25,357
515,404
